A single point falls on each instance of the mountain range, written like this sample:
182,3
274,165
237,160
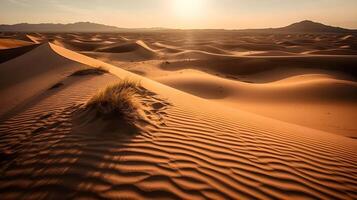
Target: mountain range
308,26
305,26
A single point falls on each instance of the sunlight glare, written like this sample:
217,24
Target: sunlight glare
188,9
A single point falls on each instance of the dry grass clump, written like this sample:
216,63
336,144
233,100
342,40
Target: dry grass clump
117,99
90,71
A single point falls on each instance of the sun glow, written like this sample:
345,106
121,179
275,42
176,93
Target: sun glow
188,9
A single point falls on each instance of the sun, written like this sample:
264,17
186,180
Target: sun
188,9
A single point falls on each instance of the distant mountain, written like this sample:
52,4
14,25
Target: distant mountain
299,27
48,27
310,26
305,26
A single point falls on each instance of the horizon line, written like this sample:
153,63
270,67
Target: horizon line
168,28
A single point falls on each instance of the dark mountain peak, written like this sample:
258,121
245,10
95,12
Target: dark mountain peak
311,26
306,21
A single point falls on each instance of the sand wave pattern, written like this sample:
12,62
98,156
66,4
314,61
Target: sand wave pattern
190,155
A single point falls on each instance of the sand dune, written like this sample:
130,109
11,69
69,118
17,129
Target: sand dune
195,141
286,57
225,43
31,78
130,51
117,49
8,54
36,38
12,43
316,88
79,45
242,67
326,98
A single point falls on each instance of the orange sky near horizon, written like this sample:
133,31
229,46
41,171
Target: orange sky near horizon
227,14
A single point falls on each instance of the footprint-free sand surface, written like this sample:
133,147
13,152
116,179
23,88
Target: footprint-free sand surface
226,116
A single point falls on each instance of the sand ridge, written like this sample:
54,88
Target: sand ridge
194,146
244,58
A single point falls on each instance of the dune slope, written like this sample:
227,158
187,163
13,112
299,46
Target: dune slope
32,73
329,102
188,151
12,43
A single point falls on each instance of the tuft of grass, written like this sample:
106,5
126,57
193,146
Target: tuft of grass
117,100
90,71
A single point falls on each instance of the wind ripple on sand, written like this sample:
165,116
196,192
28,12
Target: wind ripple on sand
196,153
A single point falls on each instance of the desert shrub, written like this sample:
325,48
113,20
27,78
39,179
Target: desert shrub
118,99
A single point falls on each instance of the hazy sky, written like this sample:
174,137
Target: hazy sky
229,14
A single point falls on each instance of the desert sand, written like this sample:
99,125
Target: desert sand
225,116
